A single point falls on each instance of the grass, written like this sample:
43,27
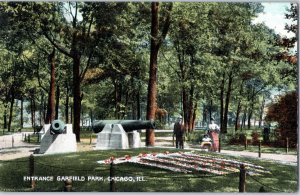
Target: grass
264,149
283,177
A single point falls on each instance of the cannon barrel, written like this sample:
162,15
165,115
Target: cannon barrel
57,127
128,125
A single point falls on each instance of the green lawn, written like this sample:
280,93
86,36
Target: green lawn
264,149
283,177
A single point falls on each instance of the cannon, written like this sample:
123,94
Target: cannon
57,127
128,125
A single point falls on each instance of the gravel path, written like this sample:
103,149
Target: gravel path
12,146
22,149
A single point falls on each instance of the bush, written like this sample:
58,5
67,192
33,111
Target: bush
195,137
238,138
285,113
255,138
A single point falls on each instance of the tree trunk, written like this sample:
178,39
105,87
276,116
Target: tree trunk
250,116
5,116
21,114
228,93
92,117
57,101
51,97
11,110
244,119
210,109
194,116
237,117
138,104
222,102
33,109
152,88
71,115
67,105
77,95
191,109
185,108
262,107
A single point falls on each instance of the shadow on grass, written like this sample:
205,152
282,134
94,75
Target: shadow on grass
283,177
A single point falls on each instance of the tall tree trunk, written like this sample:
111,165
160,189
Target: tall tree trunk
237,117
138,104
262,107
21,114
67,105
204,113
92,117
228,93
152,88
5,116
185,108
33,109
222,86
11,109
57,101
194,116
41,109
51,97
244,119
44,111
41,112
71,115
156,41
210,108
76,94
191,109
250,113
239,107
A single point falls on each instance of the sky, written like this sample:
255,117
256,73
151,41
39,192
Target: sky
274,17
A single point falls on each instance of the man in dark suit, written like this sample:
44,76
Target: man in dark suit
179,133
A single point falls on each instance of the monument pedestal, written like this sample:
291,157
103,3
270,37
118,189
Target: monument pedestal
134,139
115,137
57,143
112,137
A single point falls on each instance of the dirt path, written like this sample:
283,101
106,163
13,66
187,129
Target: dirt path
22,149
12,146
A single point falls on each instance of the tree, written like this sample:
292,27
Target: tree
284,111
156,41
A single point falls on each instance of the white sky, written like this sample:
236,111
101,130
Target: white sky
274,17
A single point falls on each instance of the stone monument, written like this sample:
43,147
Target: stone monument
112,136
134,139
120,134
57,138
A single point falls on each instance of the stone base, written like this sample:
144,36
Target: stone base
57,143
134,139
112,137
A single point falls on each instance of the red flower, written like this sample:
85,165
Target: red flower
144,154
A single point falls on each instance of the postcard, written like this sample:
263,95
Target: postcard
149,97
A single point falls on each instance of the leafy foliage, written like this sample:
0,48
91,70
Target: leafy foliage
285,113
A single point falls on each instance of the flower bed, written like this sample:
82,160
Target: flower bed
187,163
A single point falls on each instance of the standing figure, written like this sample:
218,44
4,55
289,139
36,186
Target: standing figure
266,133
213,131
179,133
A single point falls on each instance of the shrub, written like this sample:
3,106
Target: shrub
285,113
255,138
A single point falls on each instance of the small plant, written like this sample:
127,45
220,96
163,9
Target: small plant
255,138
